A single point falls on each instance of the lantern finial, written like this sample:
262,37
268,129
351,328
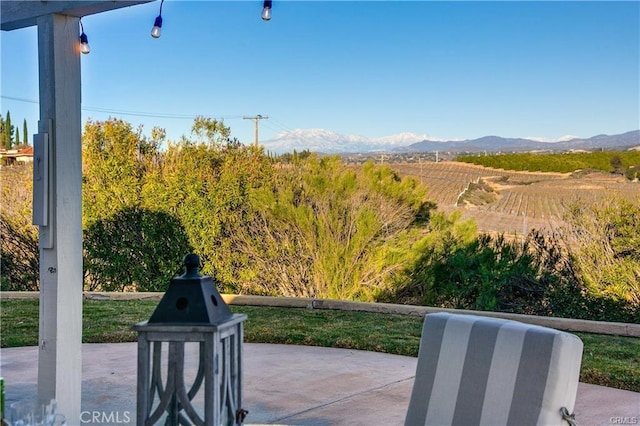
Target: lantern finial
192,266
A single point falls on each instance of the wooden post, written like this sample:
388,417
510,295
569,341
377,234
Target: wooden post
60,210
60,336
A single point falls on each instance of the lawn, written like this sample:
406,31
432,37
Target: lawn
607,360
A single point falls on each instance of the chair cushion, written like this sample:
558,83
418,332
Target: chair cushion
475,370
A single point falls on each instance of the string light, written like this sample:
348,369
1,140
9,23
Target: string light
84,40
266,10
157,25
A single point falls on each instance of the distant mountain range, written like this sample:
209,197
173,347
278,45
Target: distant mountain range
325,141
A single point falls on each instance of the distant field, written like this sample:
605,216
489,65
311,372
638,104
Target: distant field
605,161
511,201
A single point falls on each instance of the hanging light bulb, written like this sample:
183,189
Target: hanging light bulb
84,44
84,41
266,10
155,32
157,25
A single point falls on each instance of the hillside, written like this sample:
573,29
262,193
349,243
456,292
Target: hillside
510,201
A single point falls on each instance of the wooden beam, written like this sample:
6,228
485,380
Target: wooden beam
17,14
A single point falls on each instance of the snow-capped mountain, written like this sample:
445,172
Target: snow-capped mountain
403,139
561,139
320,140
326,141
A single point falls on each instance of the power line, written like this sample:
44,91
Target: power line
132,113
281,125
19,99
139,113
274,128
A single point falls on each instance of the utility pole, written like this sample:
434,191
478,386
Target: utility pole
256,119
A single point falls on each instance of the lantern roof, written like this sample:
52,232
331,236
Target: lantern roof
191,299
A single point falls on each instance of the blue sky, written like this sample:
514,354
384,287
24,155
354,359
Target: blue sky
453,70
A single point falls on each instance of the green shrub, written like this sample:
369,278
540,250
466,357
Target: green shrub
487,274
19,253
604,245
632,173
537,276
135,250
326,230
19,260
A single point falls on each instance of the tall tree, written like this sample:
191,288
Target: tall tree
25,132
8,131
17,139
2,124
616,165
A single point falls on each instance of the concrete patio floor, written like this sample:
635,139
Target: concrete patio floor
285,384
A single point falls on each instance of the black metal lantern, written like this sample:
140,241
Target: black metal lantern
191,310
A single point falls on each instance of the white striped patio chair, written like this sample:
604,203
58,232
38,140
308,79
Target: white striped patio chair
475,370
